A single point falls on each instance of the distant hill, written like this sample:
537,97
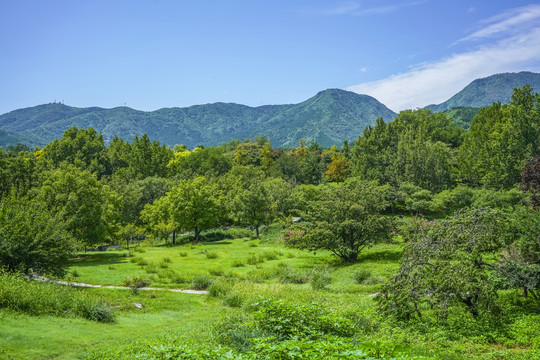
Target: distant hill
486,91
329,117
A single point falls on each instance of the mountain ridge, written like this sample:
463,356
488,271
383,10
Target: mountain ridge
485,91
329,117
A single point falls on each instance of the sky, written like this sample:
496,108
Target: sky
172,53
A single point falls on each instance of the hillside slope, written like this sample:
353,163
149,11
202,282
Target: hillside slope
329,117
486,91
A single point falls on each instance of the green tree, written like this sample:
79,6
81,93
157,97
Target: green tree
79,199
500,141
444,265
32,238
83,148
195,205
345,219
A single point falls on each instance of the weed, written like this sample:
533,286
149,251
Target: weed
233,300
216,272
201,282
183,253
238,263
361,276
320,278
211,255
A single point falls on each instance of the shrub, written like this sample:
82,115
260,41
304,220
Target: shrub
299,320
201,282
97,311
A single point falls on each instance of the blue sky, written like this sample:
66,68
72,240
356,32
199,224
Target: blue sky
164,53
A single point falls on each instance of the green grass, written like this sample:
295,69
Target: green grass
30,337
237,277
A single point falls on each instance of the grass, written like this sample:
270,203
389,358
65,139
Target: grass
235,278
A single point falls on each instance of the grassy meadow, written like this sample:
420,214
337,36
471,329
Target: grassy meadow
238,273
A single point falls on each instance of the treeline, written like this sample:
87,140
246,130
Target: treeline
85,191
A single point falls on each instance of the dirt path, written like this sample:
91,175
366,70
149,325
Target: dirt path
78,284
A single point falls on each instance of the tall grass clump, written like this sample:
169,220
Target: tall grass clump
320,278
21,294
201,282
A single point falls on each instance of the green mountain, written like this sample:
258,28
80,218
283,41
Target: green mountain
486,91
329,117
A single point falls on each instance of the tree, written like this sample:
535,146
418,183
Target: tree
195,205
530,180
345,219
337,170
254,206
83,148
32,238
79,199
500,141
444,265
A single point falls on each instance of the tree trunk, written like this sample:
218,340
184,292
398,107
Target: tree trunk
174,237
257,230
196,234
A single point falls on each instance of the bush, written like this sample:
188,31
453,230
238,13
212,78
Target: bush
211,255
96,311
201,282
286,321
182,253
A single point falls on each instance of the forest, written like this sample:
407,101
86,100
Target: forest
419,241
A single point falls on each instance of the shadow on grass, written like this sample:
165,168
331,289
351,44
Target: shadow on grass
102,258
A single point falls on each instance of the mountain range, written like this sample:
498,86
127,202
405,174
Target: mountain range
329,117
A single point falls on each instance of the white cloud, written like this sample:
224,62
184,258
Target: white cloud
356,9
435,82
512,20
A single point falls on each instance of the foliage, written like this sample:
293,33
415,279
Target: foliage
32,239
345,220
446,265
501,139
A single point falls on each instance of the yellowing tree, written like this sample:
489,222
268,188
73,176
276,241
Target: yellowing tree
338,168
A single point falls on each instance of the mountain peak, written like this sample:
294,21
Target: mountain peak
485,91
